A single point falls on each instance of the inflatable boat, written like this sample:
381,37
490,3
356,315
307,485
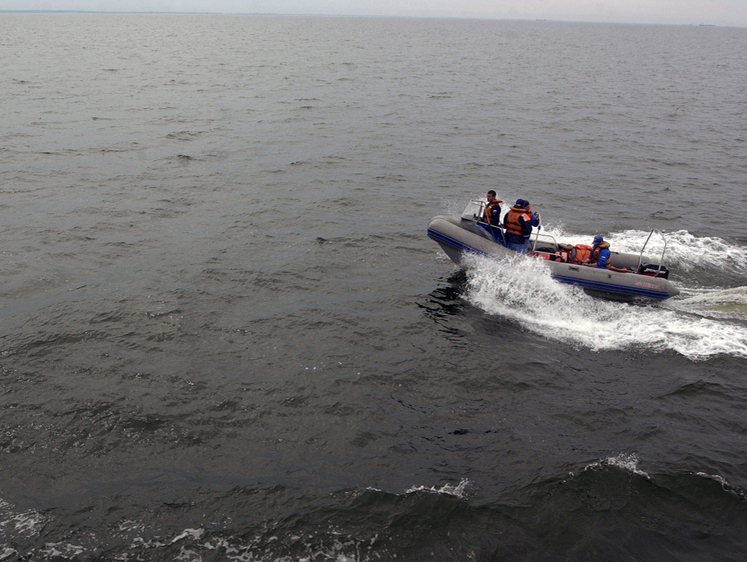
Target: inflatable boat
630,276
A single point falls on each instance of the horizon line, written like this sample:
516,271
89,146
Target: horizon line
539,20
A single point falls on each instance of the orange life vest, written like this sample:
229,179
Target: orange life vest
487,215
581,253
512,220
597,250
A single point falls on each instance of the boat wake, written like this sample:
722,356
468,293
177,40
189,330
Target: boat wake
715,303
699,324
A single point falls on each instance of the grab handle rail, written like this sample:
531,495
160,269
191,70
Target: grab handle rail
537,235
664,249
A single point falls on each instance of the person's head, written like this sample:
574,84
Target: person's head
520,203
491,196
598,239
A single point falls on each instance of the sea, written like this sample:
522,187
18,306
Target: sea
225,334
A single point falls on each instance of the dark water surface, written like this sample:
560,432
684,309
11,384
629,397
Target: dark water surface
225,336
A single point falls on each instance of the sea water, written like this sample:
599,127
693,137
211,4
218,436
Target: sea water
226,336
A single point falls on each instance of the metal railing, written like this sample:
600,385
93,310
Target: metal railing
664,249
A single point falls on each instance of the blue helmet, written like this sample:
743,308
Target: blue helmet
598,239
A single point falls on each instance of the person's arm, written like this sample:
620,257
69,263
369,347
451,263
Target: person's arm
604,257
526,226
495,215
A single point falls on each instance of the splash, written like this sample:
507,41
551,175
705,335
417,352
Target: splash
446,489
624,461
520,288
627,462
690,252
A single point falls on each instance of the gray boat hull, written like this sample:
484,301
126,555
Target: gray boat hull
458,236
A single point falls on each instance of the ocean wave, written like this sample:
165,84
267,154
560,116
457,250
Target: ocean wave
19,523
447,489
629,462
725,485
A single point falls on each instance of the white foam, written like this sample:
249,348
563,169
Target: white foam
27,523
520,288
60,550
715,303
625,461
628,462
6,553
720,479
689,251
446,489
740,493
194,534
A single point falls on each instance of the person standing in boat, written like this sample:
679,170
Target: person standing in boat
519,222
492,213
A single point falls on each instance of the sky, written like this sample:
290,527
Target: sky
671,12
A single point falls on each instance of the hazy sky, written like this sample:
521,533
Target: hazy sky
688,12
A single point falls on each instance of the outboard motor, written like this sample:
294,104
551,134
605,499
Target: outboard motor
653,270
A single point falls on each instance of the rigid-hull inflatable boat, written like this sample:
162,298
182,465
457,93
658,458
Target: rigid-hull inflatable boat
633,275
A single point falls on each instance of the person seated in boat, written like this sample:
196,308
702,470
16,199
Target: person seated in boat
518,223
492,213
565,253
600,255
